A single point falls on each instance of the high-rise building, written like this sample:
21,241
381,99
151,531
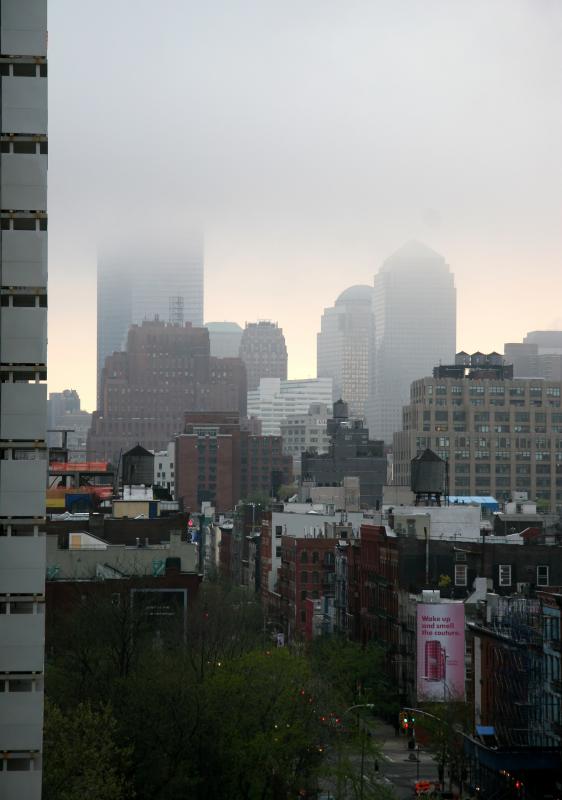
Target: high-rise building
275,400
165,371
225,339
539,355
415,328
344,346
23,398
133,288
498,434
264,352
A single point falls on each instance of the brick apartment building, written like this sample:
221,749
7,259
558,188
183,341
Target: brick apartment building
307,572
220,462
165,371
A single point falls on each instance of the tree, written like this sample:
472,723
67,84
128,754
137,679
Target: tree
82,755
353,670
444,724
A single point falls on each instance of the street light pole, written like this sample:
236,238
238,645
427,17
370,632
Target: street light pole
352,708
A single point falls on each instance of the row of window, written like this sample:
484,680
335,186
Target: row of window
504,575
23,224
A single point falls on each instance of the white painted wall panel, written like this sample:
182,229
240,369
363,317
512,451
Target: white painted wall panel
23,562
23,184
24,105
24,27
23,411
17,785
24,258
21,642
22,488
21,720
23,335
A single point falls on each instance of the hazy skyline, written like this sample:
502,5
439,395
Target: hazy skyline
309,141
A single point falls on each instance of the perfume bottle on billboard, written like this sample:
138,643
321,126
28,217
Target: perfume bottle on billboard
435,661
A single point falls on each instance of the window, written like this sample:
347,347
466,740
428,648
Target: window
303,594
279,534
315,557
315,577
460,574
504,575
542,575
304,577
278,552
304,554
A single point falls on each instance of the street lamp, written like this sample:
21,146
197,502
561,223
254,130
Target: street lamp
353,708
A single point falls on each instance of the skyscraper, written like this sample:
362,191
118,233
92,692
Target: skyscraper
23,399
344,346
264,352
415,328
136,287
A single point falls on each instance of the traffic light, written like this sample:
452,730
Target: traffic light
407,720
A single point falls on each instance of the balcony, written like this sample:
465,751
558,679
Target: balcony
556,685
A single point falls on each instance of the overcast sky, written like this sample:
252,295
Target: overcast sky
309,139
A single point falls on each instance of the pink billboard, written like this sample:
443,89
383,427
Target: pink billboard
440,652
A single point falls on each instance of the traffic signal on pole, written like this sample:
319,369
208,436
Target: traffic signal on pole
407,720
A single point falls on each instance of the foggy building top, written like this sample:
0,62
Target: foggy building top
415,328
134,286
264,352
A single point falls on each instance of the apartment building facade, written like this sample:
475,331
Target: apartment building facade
498,434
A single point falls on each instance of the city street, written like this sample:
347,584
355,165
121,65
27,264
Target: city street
397,770
396,766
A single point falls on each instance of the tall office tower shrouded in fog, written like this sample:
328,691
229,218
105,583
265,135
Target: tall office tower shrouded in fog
135,287
264,352
344,346
415,308
225,339
23,398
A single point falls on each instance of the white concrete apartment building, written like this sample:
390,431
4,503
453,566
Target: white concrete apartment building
275,400
164,471
23,392
304,432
